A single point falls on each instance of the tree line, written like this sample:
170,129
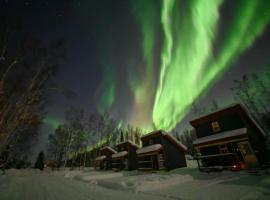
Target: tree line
81,133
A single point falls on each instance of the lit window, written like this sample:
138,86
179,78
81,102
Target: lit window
215,126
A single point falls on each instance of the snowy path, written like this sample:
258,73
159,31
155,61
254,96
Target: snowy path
50,187
187,184
182,184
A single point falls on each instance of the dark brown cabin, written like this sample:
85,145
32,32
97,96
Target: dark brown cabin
104,161
126,157
230,138
161,151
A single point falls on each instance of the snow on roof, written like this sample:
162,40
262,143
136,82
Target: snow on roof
130,142
152,133
178,143
222,135
120,154
231,106
169,137
109,148
148,149
100,158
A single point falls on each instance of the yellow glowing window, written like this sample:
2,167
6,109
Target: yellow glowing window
215,126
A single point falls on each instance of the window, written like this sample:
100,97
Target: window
215,126
223,148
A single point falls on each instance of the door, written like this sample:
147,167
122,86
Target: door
154,159
125,163
248,154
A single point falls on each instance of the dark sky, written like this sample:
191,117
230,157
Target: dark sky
103,46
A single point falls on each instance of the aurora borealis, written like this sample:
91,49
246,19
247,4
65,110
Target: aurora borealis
193,54
187,57
147,61
52,122
183,61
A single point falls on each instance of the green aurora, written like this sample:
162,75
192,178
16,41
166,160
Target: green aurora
188,66
143,87
52,122
196,49
182,57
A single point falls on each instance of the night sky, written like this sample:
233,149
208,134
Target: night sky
146,61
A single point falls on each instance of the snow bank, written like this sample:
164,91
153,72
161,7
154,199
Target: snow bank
87,184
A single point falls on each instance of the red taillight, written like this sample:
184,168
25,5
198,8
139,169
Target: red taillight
236,167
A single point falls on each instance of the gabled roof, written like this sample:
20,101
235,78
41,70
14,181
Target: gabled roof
100,158
234,108
152,134
120,154
213,115
108,149
128,142
176,142
149,149
169,137
221,136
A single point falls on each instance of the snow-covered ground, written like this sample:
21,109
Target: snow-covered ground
185,183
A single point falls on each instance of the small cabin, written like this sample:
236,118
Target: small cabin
104,161
161,151
230,138
126,157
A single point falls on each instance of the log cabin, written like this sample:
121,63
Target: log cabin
161,151
230,138
126,158
104,161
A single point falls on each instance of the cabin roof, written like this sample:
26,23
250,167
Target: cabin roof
175,141
128,142
221,136
152,134
233,108
100,158
218,113
149,149
167,136
120,154
109,149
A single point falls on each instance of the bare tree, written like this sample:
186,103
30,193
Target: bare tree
187,138
58,144
27,66
253,93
